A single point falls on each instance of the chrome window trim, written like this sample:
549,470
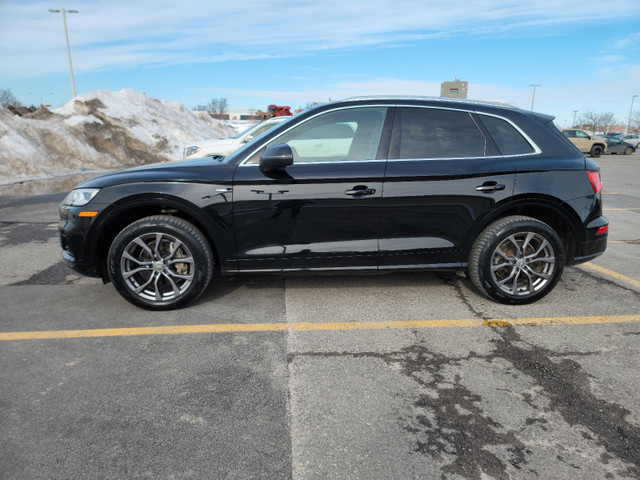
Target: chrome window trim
536,149
244,163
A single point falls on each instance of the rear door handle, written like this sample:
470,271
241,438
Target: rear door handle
360,191
489,187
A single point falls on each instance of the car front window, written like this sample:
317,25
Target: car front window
350,134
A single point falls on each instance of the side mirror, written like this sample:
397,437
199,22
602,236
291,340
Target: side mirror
247,139
276,157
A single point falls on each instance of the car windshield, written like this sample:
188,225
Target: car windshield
256,129
245,131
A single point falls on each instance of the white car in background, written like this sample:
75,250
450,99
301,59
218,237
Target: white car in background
632,138
221,147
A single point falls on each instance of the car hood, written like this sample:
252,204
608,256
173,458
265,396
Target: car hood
216,142
204,170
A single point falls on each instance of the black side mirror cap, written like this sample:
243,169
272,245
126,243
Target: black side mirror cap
276,157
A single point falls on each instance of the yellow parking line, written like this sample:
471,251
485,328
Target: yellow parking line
322,326
612,274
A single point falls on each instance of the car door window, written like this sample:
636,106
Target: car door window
350,134
436,133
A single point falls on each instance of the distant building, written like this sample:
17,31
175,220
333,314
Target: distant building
243,114
455,89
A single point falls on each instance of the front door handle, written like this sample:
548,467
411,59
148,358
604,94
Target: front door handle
489,187
360,191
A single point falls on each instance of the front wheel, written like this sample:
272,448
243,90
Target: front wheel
160,262
628,150
596,151
516,260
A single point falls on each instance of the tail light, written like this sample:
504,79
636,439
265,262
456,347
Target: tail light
595,180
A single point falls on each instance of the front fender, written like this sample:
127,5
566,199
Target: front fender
207,206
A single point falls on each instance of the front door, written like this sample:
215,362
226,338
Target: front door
322,211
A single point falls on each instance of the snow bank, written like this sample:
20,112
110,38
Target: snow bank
97,131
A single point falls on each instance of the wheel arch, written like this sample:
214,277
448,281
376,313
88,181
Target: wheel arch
547,209
130,209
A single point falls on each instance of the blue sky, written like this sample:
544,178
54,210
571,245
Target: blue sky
585,55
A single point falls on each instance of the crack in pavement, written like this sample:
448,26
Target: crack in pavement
567,387
450,425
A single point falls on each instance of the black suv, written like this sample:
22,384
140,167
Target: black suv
365,184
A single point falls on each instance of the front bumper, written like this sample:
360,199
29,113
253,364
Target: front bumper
73,232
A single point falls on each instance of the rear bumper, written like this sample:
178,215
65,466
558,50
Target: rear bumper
595,243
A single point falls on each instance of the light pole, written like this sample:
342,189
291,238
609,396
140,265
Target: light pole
574,118
630,112
533,99
66,36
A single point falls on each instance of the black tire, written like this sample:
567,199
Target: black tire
596,151
628,150
503,270
160,262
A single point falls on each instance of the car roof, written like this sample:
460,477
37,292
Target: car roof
436,100
495,107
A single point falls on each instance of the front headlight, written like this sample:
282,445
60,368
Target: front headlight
191,150
80,196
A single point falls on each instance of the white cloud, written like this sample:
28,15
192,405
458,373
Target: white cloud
124,33
609,59
631,41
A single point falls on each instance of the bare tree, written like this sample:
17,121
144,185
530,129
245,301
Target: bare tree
597,121
591,118
8,99
607,120
216,105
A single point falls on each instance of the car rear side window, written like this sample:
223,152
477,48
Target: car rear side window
436,133
509,140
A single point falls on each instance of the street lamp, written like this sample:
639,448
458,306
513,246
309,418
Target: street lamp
630,112
66,36
574,118
533,99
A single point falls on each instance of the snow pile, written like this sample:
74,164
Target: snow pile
98,131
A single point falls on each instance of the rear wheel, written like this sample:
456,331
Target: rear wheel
160,262
516,260
596,151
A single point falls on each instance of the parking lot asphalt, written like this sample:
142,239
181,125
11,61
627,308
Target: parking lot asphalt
407,375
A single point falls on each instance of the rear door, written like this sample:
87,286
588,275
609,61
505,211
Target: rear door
444,172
